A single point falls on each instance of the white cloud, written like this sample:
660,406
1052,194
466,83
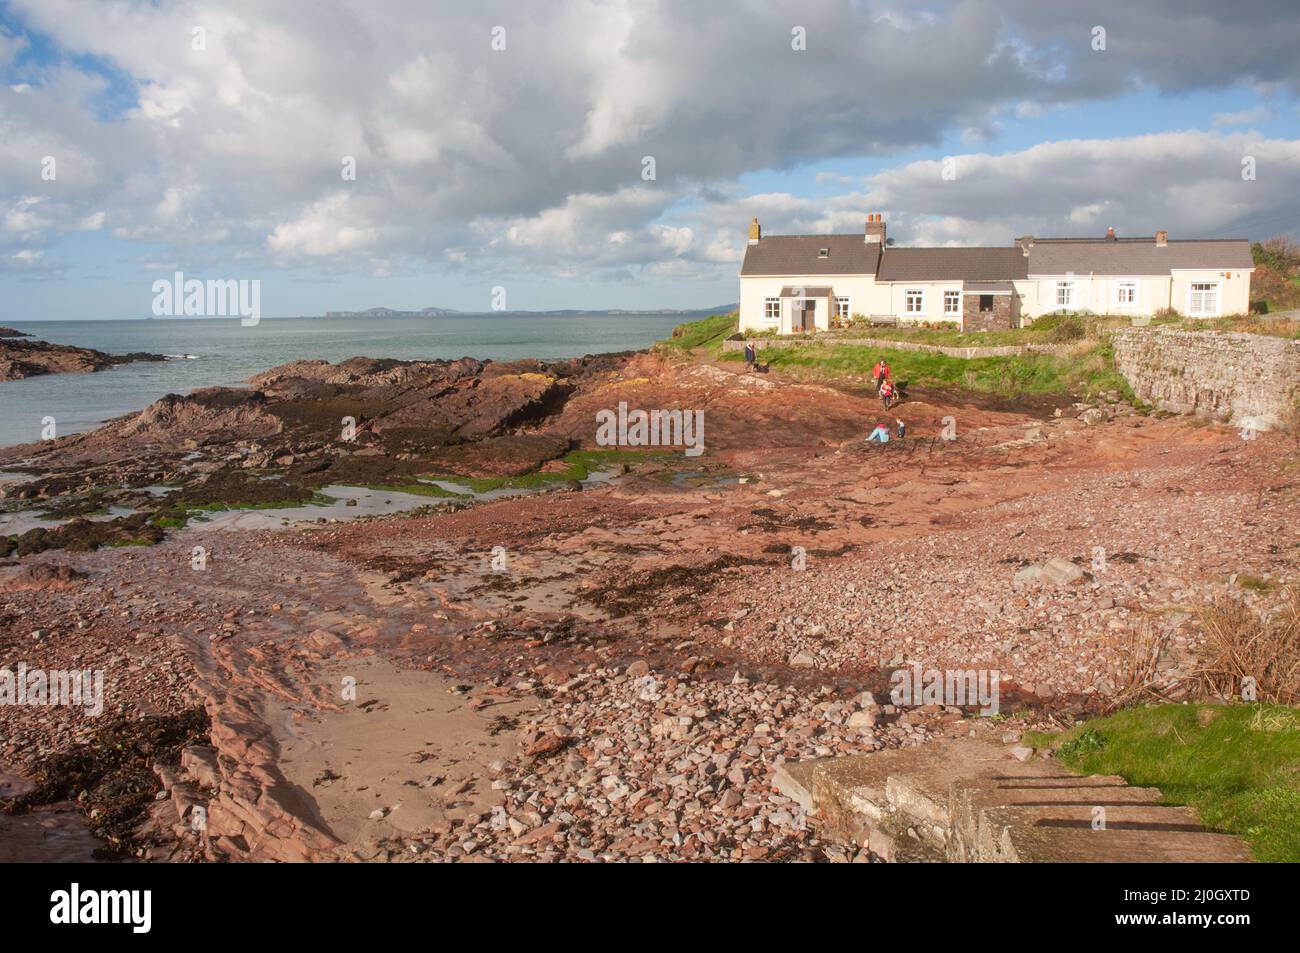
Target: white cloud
530,158
1245,117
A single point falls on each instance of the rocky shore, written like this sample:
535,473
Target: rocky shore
538,666
20,359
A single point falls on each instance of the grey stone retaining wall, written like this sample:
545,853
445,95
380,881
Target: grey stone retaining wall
1242,378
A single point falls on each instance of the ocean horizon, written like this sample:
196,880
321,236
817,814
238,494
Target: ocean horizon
212,352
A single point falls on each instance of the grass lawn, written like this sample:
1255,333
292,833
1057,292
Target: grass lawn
709,332
1238,765
1088,372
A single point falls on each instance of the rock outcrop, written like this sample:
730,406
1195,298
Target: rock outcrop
21,359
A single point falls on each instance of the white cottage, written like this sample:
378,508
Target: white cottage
803,283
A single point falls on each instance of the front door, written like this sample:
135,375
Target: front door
807,316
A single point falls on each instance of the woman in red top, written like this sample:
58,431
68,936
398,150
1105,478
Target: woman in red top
880,373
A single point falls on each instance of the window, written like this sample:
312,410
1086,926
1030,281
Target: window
1126,294
1065,294
823,253
952,302
842,309
772,309
1203,298
986,303
914,299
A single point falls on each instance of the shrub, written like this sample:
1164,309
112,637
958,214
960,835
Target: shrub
1262,644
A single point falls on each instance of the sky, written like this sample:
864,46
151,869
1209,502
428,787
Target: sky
608,153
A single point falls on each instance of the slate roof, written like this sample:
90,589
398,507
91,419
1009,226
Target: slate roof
798,255
1135,256
953,264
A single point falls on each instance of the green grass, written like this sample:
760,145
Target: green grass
1089,372
579,466
1238,765
708,332
169,520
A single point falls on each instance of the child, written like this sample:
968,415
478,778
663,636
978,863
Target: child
902,428
879,435
887,394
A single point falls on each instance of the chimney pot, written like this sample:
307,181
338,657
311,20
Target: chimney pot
875,229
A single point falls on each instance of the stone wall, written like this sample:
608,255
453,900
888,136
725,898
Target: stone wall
1003,317
1227,375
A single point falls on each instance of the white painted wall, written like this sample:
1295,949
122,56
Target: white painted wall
1099,293
1234,292
932,301
1096,293
859,289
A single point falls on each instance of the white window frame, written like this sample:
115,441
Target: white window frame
1067,287
908,293
768,309
1218,298
955,298
1126,286
846,312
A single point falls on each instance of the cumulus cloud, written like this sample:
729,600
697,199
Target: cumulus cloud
530,157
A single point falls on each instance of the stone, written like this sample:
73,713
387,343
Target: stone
1060,571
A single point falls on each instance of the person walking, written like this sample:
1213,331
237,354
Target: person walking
880,374
751,356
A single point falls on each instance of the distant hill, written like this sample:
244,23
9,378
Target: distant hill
448,312
393,313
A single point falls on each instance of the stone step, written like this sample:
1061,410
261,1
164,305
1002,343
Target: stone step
971,798
1041,845
968,799
991,836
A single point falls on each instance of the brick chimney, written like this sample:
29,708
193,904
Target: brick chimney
1110,234
875,229
1162,238
1025,242
755,231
